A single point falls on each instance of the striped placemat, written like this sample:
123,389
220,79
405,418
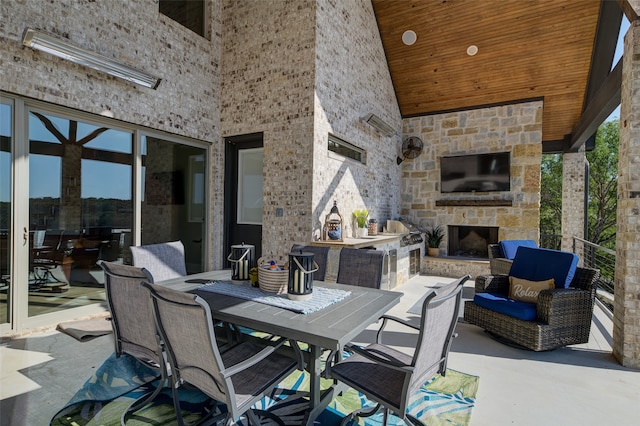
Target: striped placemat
321,297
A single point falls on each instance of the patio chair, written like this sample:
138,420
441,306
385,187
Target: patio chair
164,260
557,316
320,255
239,377
501,255
497,263
361,267
134,330
390,377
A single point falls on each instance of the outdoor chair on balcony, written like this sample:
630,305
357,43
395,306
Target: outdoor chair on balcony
546,302
390,377
501,255
320,255
134,330
164,261
238,377
361,267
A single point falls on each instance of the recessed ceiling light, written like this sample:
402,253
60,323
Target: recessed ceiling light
472,50
409,37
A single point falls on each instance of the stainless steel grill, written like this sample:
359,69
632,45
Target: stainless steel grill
410,234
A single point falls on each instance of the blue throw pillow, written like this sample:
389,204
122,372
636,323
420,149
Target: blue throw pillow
502,304
539,264
510,247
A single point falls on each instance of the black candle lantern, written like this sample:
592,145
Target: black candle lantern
333,225
242,259
301,269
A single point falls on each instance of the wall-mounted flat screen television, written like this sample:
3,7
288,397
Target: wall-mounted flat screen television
475,173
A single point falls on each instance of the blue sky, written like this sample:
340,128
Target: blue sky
619,50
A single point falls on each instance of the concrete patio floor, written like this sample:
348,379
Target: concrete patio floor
576,385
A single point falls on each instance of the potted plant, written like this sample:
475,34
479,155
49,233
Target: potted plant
360,217
434,237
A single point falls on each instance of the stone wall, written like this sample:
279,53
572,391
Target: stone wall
186,103
268,86
297,71
626,322
514,128
352,80
573,208
132,32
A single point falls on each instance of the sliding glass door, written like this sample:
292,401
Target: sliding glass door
173,202
6,137
80,208
77,188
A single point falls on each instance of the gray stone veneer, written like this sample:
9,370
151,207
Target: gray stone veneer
626,321
186,103
297,71
515,128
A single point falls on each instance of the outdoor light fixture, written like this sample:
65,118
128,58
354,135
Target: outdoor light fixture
379,124
65,50
409,37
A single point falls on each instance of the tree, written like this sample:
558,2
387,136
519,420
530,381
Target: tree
551,195
603,185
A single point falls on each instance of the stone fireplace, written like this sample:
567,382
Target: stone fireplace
470,241
493,215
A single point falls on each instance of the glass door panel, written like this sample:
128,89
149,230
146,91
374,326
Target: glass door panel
6,136
173,203
80,209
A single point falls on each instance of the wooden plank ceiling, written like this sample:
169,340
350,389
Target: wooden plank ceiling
526,50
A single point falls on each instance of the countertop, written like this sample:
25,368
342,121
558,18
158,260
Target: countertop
360,242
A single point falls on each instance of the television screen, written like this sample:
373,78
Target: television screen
475,173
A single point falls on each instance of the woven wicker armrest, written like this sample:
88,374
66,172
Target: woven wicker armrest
564,306
500,266
492,284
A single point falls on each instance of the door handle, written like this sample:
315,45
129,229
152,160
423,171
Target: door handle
25,236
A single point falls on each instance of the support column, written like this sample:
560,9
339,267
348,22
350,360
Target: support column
573,181
626,322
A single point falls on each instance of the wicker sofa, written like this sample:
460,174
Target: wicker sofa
563,315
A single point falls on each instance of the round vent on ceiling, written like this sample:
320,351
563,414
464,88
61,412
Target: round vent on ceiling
411,148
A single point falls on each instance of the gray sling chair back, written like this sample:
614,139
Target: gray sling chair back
164,261
134,330
390,377
361,267
238,377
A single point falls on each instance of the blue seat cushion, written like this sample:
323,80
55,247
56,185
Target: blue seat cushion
508,248
502,304
540,264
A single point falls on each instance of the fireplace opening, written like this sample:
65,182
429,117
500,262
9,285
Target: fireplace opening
471,241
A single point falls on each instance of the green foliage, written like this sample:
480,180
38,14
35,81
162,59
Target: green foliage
603,187
434,236
551,195
360,215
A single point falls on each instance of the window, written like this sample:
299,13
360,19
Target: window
188,13
346,149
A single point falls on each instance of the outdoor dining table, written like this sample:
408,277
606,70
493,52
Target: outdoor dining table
329,328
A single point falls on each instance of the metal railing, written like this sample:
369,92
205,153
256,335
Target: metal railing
602,258
592,256
598,257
